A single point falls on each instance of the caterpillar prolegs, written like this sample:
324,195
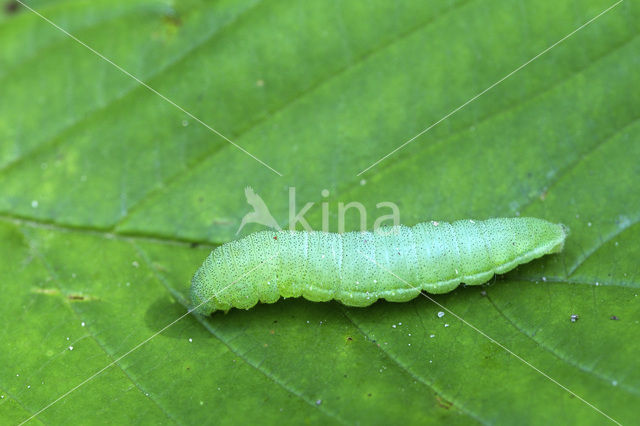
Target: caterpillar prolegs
358,268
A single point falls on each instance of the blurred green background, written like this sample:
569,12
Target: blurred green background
110,198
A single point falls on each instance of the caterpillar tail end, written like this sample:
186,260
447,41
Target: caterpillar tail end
200,304
563,233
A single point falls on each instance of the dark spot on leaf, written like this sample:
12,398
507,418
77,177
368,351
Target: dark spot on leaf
368,394
77,297
80,297
193,245
443,402
173,20
615,318
11,7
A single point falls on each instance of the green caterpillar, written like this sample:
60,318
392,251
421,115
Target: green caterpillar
357,268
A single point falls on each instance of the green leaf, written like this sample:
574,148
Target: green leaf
111,197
